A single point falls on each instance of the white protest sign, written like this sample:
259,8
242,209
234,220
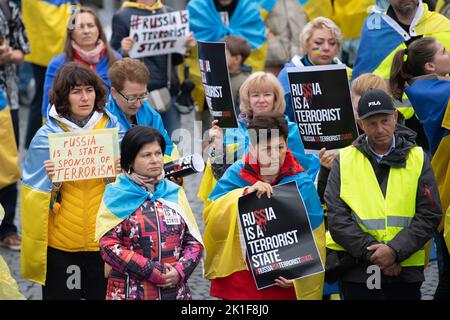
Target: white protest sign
84,155
159,34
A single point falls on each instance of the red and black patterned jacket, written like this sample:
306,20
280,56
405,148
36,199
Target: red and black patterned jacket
137,250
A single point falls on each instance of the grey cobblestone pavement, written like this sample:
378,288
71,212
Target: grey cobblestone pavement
199,285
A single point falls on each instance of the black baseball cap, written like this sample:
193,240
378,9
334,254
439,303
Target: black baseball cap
375,101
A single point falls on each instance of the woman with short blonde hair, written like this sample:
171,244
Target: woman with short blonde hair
261,80
320,23
260,94
320,43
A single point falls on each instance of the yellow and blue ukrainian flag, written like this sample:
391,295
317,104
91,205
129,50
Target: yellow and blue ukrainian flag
46,24
206,23
124,197
382,37
430,99
35,195
224,254
9,157
349,15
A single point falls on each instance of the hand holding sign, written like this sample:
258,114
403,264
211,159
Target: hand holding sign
83,155
190,42
126,45
326,158
278,238
49,168
261,188
216,134
284,283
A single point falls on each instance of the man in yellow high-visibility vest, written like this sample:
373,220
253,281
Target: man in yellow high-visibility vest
383,206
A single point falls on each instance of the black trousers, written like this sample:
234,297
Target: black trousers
8,200
74,276
35,115
443,289
395,291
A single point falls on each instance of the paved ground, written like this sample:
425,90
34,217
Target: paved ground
199,285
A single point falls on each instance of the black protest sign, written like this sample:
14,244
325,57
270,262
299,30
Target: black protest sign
278,236
216,82
323,106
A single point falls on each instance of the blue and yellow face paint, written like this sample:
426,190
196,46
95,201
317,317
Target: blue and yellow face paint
315,50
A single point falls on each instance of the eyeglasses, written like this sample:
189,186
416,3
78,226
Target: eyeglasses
133,99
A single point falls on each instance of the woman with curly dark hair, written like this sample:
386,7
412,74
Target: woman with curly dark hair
58,219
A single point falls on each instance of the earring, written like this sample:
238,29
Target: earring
129,170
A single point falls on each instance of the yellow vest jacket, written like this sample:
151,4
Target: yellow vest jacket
394,202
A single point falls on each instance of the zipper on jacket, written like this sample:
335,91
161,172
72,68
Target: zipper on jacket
159,243
127,287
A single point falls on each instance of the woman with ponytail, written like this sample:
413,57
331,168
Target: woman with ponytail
421,71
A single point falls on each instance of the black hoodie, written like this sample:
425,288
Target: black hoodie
346,232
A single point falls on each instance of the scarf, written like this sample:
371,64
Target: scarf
80,123
91,57
251,172
74,125
156,6
146,183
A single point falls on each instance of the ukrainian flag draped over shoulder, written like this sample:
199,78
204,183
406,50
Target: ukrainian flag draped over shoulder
46,24
206,23
35,195
430,99
9,157
223,245
382,37
124,197
246,22
236,142
145,116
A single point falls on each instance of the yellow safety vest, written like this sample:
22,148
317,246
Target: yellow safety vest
383,218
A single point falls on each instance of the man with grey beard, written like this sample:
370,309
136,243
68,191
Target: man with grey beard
386,31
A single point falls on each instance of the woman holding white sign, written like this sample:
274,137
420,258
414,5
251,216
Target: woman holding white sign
269,162
148,235
260,93
320,43
85,44
58,219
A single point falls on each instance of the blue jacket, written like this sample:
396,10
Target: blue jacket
145,116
